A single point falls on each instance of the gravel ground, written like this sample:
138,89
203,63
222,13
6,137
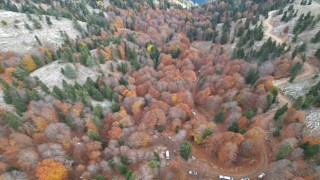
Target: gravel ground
22,41
298,88
305,36
313,119
51,74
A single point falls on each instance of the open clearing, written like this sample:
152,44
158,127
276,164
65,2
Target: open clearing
14,36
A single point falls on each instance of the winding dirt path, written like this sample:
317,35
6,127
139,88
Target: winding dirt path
269,26
308,70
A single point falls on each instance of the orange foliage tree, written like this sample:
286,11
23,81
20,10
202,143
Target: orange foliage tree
228,152
48,169
122,50
29,64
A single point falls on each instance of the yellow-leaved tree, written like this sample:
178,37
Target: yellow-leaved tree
149,48
49,169
29,64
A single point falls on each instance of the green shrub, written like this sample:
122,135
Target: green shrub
115,107
234,127
185,150
130,175
298,103
36,24
219,117
153,164
175,53
111,163
248,113
156,155
99,177
121,142
310,150
90,62
308,101
124,160
4,22
8,96
94,135
277,131
12,168
159,128
177,129
284,151
207,132
123,169
70,72
97,111
123,81
243,130
97,122
48,20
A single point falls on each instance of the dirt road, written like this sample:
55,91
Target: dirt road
269,26
308,70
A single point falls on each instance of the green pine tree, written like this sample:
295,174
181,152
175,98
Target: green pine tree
90,62
33,95
185,150
94,135
70,72
19,104
219,117
298,103
96,94
252,76
13,121
224,37
8,95
280,111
